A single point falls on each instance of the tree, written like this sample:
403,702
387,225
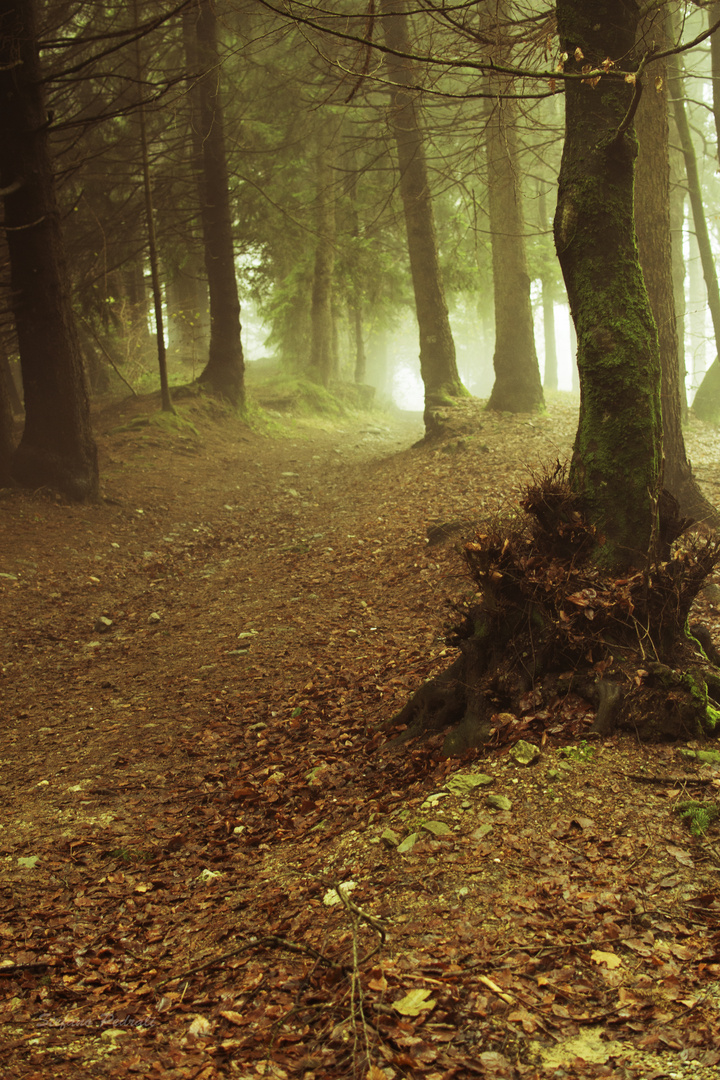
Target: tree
706,404
517,387
616,458
322,358
7,440
224,371
167,405
57,448
438,365
652,221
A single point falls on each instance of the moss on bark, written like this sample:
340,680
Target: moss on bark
616,459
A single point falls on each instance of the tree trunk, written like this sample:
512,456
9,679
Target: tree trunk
550,374
677,223
707,399
713,16
7,419
57,448
616,458
167,405
322,351
224,372
357,276
550,380
518,387
438,365
652,221
360,357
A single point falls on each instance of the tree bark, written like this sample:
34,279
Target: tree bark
677,222
550,380
7,419
438,365
322,352
713,16
616,458
224,371
518,386
57,448
706,404
167,405
652,221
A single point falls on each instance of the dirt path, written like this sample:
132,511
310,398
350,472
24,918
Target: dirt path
269,599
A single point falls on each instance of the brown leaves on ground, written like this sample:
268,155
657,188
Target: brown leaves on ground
183,789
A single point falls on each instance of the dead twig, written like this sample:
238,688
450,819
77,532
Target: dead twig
268,941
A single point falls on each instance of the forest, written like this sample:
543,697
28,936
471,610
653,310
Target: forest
359,472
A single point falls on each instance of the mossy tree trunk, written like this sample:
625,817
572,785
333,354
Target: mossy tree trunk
616,457
57,448
438,365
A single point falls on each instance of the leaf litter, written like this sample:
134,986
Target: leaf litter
184,789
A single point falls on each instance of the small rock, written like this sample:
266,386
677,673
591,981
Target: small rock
408,844
481,831
103,624
389,838
499,802
153,618
465,783
437,828
524,753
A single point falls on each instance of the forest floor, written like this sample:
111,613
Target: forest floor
193,674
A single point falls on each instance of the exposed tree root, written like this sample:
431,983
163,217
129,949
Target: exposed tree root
548,634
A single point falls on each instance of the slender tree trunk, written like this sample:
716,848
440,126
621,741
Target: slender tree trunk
167,405
357,283
677,224
57,448
616,458
7,419
518,387
652,222
698,306
360,357
438,365
707,399
322,351
224,372
713,16
550,381
550,375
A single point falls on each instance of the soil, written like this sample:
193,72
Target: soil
195,674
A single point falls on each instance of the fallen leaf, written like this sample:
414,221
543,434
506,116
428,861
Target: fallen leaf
414,1002
233,1017
680,855
609,959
